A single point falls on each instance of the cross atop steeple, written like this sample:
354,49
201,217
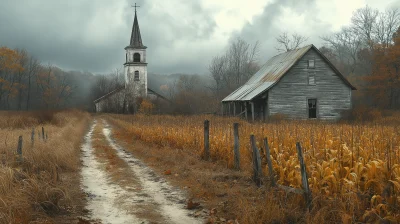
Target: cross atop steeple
135,7
136,39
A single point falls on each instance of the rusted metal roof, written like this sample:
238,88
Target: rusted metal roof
271,72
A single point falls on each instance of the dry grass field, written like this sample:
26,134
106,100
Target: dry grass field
353,169
32,190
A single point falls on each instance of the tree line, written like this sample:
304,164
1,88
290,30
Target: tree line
367,52
28,84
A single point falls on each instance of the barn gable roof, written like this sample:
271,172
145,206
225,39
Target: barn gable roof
123,88
109,94
272,71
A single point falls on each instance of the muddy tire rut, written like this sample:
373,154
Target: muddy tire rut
122,189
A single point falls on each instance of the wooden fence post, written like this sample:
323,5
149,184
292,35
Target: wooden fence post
19,149
42,132
33,136
206,139
269,162
304,179
236,146
256,161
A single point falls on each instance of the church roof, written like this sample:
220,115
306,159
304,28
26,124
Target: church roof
136,39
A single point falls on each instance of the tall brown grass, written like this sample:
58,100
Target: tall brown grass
31,190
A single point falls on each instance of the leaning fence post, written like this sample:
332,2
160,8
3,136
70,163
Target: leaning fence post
304,179
236,146
19,149
206,139
269,162
42,132
256,161
33,136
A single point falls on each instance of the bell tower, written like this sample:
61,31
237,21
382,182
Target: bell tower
135,65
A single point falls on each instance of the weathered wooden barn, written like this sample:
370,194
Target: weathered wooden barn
299,84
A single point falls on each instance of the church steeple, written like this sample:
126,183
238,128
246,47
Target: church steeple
136,39
135,66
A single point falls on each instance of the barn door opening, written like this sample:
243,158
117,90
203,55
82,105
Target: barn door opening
312,108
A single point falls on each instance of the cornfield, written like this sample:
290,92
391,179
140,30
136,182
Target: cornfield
353,167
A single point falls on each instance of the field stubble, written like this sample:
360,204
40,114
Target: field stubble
353,169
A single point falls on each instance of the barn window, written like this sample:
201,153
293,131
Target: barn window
311,79
312,108
136,76
136,57
311,64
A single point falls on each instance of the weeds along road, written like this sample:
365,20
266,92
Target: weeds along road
122,189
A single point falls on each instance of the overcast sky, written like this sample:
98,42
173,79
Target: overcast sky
181,35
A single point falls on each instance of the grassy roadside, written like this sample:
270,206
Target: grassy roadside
226,194
46,183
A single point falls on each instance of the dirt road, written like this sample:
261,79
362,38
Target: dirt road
122,189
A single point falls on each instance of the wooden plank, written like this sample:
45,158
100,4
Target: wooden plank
269,162
245,109
19,149
304,179
206,139
252,111
257,171
33,136
236,146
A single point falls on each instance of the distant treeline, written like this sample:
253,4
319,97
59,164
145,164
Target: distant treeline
367,52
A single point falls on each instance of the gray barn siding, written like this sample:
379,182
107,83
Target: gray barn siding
289,96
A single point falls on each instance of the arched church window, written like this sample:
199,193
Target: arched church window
136,57
136,76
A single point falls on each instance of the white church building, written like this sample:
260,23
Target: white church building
125,99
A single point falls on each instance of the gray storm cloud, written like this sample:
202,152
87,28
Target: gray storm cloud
90,35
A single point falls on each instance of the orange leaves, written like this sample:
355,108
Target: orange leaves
10,60
146,107
10,66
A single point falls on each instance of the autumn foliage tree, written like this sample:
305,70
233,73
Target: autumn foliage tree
26,84
10,67
384,81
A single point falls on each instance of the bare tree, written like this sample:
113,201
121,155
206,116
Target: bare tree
241,63
346,45
32,70
287,43
20,75
386,25
363,24
217,70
